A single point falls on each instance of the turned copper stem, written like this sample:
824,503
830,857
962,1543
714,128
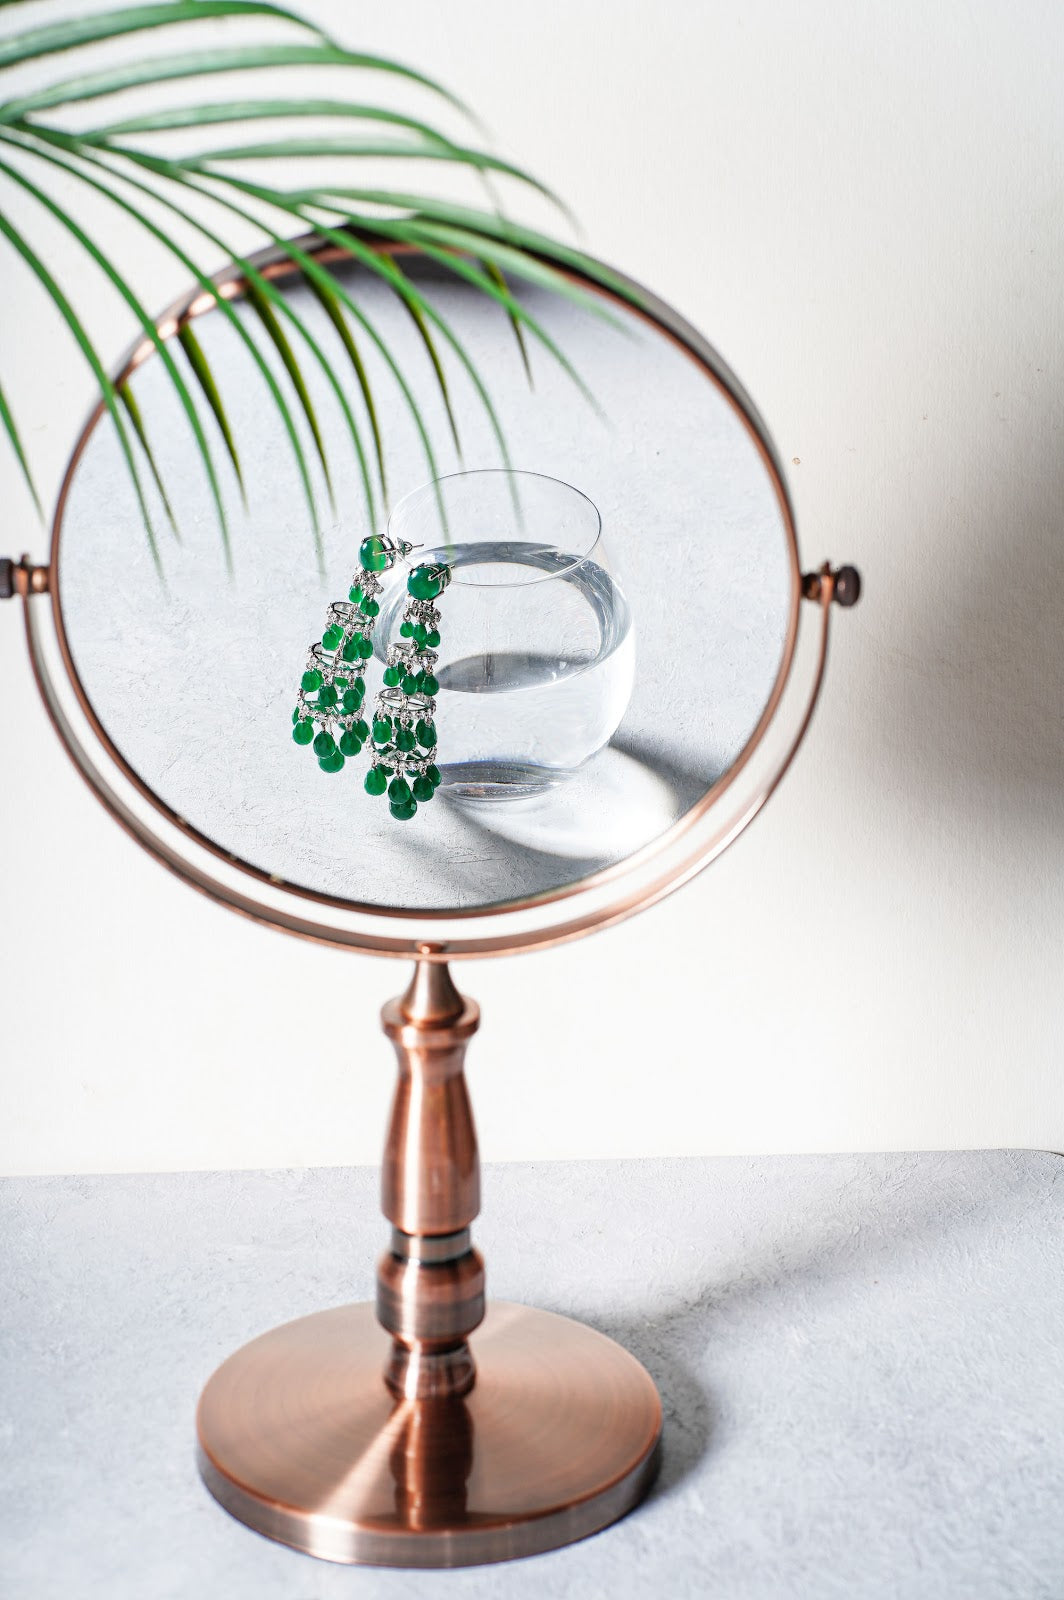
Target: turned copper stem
430,1284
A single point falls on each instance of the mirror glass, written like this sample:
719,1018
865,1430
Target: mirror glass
614,627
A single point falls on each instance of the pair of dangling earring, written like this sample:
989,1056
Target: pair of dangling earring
329,710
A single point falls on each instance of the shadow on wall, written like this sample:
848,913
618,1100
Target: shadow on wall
958,713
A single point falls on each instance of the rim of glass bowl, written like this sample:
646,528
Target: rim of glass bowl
425,490
274,263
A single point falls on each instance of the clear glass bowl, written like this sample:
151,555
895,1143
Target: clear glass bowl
537,653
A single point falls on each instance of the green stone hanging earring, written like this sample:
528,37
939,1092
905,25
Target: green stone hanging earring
328,713
404,727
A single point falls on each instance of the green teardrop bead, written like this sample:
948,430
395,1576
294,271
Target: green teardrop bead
391,677
432,639
333,763
429,684
372,555
370,608
352,701
420,633
406,629
324,745
350,743
296,714
399,791
354,594
405,812
327,695
303,732
423,789
376,782
404,739
434,775
361,729
426,734
382,730
365,647
410,684
351,649
310,681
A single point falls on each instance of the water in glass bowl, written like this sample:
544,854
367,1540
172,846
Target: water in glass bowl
536,664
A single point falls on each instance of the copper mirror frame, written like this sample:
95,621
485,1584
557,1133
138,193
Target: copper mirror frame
617,890
432,1429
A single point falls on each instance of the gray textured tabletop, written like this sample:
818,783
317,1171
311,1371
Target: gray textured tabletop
860,1358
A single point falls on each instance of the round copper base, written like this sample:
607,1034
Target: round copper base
300,1439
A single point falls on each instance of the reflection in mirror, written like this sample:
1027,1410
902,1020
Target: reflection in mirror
586,701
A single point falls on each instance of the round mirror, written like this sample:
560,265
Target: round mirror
618,626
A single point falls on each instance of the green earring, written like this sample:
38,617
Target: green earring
404,728
328,714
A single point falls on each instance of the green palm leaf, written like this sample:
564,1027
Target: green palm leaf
202,64
10,428
485,225
500,283
201,370
176,172
73,32
88,350
149,328
222,111
382,266
481,246
133,412
408,150
259,301
330,303
263,298
53,136
417,314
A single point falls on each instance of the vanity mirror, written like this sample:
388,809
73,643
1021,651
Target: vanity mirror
621,682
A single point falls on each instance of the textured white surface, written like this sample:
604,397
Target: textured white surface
860,205
859,1357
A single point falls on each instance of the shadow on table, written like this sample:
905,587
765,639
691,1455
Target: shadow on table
689,1410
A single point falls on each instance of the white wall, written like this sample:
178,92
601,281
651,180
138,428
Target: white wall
863,206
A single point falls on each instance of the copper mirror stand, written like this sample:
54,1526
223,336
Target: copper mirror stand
429,1430
432,1429
378,1434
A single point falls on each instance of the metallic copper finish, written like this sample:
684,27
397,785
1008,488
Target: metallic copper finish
845,584
300,1439
432,1436
27,579
430,1188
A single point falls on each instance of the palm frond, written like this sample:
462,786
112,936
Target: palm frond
218,112
388,149
15,440
330,303
88,350
204,64
133,412
201,370
500,283
367,225
42,150
74,32
147,324
380,265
